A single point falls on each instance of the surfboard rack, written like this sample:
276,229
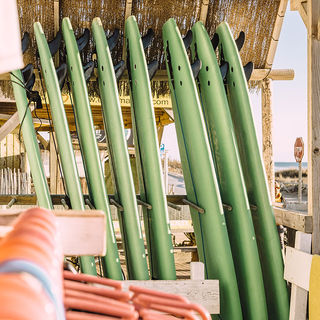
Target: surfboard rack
144,204
227,207
173,206
89,204
117,204
253,207
11,203
64,203
193,205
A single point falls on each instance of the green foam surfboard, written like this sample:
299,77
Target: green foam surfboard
119,157
89,148
156,220
199,174
254,175
230,178
30,142
68,163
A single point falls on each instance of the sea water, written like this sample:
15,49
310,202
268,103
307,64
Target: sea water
278,166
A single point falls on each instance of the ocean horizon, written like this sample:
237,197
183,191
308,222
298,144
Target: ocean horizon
278,166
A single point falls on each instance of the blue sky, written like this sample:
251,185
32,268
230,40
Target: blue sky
289,98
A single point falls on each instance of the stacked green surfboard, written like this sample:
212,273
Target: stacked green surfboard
236,235
254,175
156,220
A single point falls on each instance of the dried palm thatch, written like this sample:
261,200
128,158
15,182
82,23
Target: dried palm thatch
255,17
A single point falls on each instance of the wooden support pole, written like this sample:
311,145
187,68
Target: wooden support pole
160,130
314,121
161,75
267,129
299,296
204,11
276,33
56,20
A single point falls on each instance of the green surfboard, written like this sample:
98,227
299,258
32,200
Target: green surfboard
68,163
199,174
30,142
254,175
230,178
119,158
156,220
89,147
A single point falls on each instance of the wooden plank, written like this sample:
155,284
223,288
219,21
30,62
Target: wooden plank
300,6
293,219
81,232
161,75
196,270
314,121
297,267
267,134
276,33
299,296
273,74
205,292
11,124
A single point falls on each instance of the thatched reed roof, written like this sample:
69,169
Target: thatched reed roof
255,17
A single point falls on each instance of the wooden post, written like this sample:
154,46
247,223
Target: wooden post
160,133
314,121
299,296
267,126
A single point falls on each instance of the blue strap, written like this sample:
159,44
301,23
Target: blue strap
18,266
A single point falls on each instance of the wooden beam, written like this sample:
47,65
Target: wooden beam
293,219
276,33
204,11
56,24
301,7
267,134
11,124
273,74
257,75
205,292
36,121
314,121
81,232
297,267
